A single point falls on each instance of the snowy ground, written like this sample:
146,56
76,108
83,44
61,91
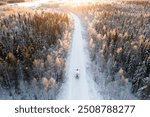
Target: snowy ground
84,87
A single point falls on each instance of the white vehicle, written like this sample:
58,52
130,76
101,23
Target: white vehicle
77,74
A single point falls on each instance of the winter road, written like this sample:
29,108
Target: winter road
83,88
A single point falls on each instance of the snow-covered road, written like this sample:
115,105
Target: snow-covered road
83,88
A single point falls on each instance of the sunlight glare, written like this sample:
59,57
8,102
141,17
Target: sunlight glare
33,3
74,3
82,2
77,2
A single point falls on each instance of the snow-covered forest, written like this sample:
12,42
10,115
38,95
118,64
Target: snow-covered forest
33,47
41,46
120,47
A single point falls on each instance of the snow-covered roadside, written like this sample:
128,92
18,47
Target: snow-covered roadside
83,88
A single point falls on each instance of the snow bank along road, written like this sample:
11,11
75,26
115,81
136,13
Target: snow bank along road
83,88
